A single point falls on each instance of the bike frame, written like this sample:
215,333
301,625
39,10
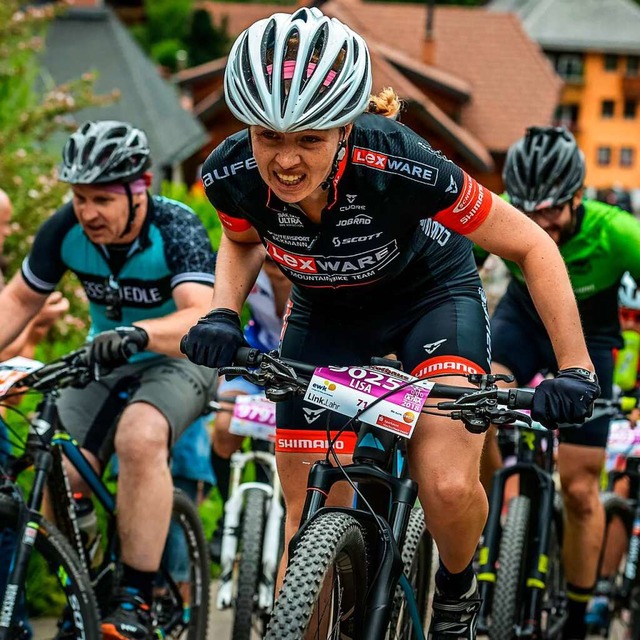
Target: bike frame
536,482
45,442
374,462
631,578
233,516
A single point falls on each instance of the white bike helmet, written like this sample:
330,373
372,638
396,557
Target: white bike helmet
292,72
628,293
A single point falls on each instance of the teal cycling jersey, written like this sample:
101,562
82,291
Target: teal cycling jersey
172,248
606,243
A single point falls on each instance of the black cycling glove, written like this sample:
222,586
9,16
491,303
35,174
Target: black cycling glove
213,342
568,398
115,347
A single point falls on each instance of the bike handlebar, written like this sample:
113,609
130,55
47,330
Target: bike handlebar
476,407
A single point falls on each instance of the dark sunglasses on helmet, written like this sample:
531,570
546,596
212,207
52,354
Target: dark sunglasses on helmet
548,213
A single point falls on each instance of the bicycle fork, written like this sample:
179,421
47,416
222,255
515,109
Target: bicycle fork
232,518
537,561
633,554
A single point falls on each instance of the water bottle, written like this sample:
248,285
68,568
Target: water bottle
88,525
626,370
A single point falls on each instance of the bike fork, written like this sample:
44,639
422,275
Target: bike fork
271,547
26,532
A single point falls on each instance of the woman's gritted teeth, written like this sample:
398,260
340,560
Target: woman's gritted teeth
288,179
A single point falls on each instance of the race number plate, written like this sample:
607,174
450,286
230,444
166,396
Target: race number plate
349,390
14,369
255,417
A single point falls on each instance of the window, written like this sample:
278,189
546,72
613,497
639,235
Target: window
633,66
610,62
604,156
608,108
630,109
626,156
566,116
570,67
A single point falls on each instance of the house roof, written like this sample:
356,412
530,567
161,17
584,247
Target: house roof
93,39
512,83
611,26
504,82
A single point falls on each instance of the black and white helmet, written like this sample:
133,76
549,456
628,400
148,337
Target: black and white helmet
628,293
105,151
544,169
292,72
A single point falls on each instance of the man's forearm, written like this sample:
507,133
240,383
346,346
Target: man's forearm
165,333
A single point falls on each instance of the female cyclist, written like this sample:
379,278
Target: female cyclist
374,229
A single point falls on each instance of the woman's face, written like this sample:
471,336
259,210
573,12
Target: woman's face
294,164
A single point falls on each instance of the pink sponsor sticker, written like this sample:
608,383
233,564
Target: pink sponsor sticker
349,390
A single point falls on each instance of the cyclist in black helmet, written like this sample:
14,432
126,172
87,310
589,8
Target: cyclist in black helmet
543,176
146,266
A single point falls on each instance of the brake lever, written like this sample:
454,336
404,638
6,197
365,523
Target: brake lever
508,416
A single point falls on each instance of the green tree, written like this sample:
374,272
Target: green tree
173,26
205,41
28,120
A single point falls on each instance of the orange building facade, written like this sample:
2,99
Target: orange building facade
600,103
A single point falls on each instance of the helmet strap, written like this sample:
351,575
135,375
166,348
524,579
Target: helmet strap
340,153
132,210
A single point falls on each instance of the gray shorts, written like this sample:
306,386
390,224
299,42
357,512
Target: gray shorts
179,389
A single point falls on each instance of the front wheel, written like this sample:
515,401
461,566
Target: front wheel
417,557
58,599
324,588
507,597
181,601
247,618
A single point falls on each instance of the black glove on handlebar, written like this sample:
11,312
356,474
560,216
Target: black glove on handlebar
567,398
213,342
115,347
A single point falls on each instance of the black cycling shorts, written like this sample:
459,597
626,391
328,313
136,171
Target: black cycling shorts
521,344
446,333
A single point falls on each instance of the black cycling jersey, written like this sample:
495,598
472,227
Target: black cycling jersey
396,214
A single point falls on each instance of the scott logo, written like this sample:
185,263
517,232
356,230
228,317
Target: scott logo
228,170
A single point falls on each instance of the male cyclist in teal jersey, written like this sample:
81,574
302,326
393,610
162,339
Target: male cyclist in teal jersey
543,175
146,264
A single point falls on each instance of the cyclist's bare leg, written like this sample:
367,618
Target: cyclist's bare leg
491,460
617,539
580,467
452,497
145,487
225,444
77,484
293,469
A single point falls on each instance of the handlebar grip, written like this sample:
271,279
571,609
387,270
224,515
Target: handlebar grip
247,357
519,398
